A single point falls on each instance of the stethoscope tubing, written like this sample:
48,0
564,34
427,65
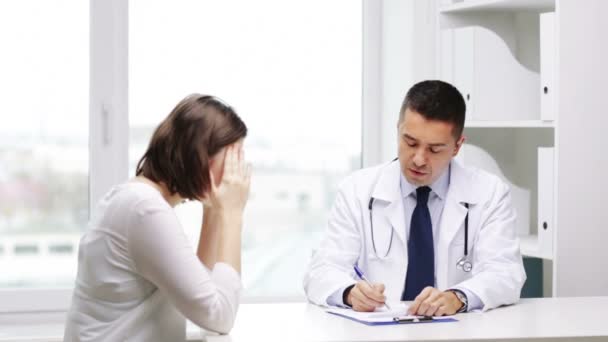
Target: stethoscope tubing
466,235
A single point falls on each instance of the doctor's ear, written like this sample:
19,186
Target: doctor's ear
459,144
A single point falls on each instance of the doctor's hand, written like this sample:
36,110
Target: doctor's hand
363,297
432,302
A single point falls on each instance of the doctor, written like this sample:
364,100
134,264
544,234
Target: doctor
425,227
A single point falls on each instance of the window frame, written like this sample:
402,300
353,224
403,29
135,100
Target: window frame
109,126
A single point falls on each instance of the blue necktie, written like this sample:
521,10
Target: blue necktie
420,250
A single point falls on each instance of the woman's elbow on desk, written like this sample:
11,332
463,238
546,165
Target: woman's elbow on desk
217,316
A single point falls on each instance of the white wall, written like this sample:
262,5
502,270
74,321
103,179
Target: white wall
407,54
582,219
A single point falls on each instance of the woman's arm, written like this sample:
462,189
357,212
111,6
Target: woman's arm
221,231
209,238
162,254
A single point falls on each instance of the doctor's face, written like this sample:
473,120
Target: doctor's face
426,147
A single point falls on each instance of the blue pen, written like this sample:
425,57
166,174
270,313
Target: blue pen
364,278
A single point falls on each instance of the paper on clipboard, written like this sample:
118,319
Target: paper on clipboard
382,316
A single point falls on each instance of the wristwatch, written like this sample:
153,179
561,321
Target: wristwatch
462,298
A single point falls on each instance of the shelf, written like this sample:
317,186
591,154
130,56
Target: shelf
530,247
538,6
509,124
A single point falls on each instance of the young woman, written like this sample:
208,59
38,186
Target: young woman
138,276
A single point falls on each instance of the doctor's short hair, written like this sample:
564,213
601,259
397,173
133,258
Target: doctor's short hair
182,145
436,100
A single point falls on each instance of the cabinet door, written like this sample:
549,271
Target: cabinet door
495,85
547,66
446,53
464,63
545,201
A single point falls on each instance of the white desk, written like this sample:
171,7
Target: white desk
52,331
549,319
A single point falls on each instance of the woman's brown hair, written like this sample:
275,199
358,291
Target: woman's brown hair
182,145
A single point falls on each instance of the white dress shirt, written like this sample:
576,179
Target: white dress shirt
138,275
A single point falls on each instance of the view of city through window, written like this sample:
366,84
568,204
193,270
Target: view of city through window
44,149
291,71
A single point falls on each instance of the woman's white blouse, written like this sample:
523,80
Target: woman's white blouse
138,275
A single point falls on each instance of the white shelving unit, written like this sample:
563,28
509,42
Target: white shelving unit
510,123
491,51
530,247
507,57
498,5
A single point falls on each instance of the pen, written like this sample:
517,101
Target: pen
362,276
413,319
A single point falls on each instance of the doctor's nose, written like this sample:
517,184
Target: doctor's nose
419,158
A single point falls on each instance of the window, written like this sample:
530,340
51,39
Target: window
291,69
43,138
293,73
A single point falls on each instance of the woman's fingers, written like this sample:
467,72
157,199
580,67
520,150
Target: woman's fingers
234,164
232,192
212,187
230,162
249,170
241,167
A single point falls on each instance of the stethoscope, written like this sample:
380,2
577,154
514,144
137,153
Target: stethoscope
463,263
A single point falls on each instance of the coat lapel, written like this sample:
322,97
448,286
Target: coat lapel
460,192
388,191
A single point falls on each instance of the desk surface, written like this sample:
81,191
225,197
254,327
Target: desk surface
549,319
53,331
532,319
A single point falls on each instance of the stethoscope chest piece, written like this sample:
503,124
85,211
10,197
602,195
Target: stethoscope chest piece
464,264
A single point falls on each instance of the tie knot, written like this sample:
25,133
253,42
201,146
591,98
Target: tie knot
422,195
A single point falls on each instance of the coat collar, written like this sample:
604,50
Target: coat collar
462,187
439,187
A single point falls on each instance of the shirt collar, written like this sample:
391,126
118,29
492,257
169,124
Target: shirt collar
439,187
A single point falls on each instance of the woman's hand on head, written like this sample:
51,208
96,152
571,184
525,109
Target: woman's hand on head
231,194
